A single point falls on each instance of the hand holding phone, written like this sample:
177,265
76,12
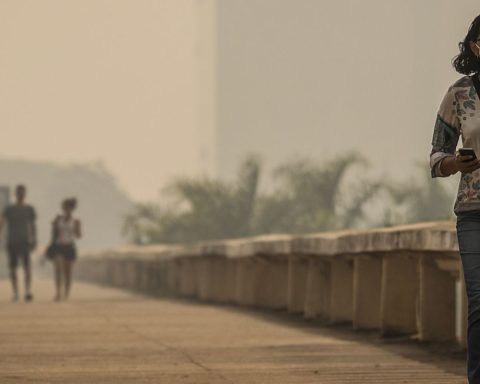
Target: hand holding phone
466,160
467,152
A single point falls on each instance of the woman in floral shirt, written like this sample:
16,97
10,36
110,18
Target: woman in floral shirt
459,116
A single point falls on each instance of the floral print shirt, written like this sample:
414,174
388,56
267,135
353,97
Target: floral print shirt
458,116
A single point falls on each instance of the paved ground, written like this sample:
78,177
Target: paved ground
109,336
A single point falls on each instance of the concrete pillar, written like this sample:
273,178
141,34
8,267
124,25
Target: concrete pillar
205,276
317,299
161,271
144,275
271,276
108,280
115,266
341,290
117,273
218,283
123,278
195,262
130,266
436,320
297,283
138,275
132,273
125,273
182,275
231,280
399,294
245,283
172,276
187,277
367,283
152,278
101,271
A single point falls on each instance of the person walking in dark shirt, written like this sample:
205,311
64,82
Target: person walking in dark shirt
21,239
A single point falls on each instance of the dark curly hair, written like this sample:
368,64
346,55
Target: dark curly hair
70,203
466,62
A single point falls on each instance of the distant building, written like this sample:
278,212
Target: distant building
317,78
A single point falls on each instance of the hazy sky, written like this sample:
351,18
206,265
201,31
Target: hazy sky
323,77
115,80
111,80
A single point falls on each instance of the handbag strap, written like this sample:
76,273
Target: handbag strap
476,83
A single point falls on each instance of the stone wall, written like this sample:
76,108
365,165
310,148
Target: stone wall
403,280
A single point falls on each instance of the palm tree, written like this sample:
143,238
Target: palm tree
310,197
424,200
200,209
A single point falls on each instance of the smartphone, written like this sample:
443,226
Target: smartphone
467,152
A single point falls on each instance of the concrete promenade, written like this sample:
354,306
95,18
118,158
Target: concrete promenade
106,335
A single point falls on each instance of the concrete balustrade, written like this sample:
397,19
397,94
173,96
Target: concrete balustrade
400,280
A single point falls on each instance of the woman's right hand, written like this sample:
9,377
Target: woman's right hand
466,164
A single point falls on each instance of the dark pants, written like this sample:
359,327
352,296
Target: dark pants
468,232
18,251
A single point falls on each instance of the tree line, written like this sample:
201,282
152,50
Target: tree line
306,197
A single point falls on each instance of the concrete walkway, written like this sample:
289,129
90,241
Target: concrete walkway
109,336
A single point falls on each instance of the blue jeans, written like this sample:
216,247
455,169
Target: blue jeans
468,233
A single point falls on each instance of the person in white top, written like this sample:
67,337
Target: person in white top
65,230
